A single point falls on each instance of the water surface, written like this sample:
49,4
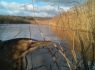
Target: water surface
10,31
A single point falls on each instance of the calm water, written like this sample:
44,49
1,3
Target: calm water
40,59
10,31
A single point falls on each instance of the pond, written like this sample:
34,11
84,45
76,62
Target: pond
10,31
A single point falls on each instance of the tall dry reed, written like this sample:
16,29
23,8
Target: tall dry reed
76,27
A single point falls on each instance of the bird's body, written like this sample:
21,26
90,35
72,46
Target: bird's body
12,50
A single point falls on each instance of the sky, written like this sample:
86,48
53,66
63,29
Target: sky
38,8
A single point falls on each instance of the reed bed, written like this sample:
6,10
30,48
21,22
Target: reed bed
76,27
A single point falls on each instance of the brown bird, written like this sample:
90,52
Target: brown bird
11,51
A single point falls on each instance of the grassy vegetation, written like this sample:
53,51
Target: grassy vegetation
14,19
23,19
77,26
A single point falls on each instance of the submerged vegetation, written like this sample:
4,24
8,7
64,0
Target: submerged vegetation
76,27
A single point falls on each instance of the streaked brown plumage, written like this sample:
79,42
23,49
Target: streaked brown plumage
12,50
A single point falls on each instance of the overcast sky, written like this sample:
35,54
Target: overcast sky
40,8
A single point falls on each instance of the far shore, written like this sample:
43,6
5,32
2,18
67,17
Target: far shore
23,20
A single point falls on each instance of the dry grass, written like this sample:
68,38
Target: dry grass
41,21
77,27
